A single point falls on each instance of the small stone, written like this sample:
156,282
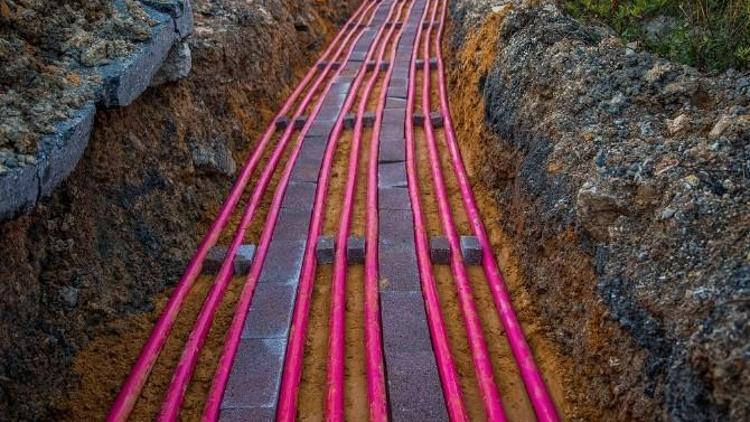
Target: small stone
471,250
176,66
69,296
667,213
678,124
440,250
213,156
324,249
355,249
721,125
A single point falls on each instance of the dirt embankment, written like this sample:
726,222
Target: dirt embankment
623,183
122,227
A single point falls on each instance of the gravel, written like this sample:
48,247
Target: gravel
648,162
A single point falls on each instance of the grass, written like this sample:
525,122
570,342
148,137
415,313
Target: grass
712,35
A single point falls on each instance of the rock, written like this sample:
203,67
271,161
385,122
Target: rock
721,125
176,66
597,210
213,157
69,296
678,124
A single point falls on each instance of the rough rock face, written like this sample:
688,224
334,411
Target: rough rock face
644,166
120,229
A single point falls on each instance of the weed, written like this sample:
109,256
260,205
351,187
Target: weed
712,35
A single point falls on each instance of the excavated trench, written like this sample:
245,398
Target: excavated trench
123,239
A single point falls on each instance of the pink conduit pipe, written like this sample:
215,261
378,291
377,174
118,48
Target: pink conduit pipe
138,375
446,366
373,336
539,396
477,343
185,367
337,321
221,377
287,408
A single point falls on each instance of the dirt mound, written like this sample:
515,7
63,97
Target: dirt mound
624,183
123,226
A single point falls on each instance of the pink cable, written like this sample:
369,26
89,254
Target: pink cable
337,321
540,399
191,352
446,367
477,343
131,388
223,370
287,408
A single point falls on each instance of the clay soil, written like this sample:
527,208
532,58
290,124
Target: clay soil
562,371
93,265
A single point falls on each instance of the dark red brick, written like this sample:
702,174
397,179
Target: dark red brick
394,199
271,311
414,387
392,175
404,322
392,150
283,262
244,414
306,171
256,374
292,224
299,195
398,269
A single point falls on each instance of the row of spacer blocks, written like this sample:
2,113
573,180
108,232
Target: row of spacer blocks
440,250
325,249
368,120
433,63
435,117
242,260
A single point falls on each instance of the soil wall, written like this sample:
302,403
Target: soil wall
122,227
623,183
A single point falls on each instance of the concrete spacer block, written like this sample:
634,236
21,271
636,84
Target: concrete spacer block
368,119
282,123
349,120
418,119
355,250
440,250
433,63
325,249
471,250
437,119
427,24
242,260
299,122
323,64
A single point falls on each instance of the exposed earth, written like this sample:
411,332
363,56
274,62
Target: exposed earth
614,184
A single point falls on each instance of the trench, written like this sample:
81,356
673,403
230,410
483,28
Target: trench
105,361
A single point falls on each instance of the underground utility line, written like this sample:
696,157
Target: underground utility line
336,345
446,366
183,372
287,407
221,377
473,326
138,375
534,384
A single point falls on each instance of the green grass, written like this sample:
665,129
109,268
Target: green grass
712,35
